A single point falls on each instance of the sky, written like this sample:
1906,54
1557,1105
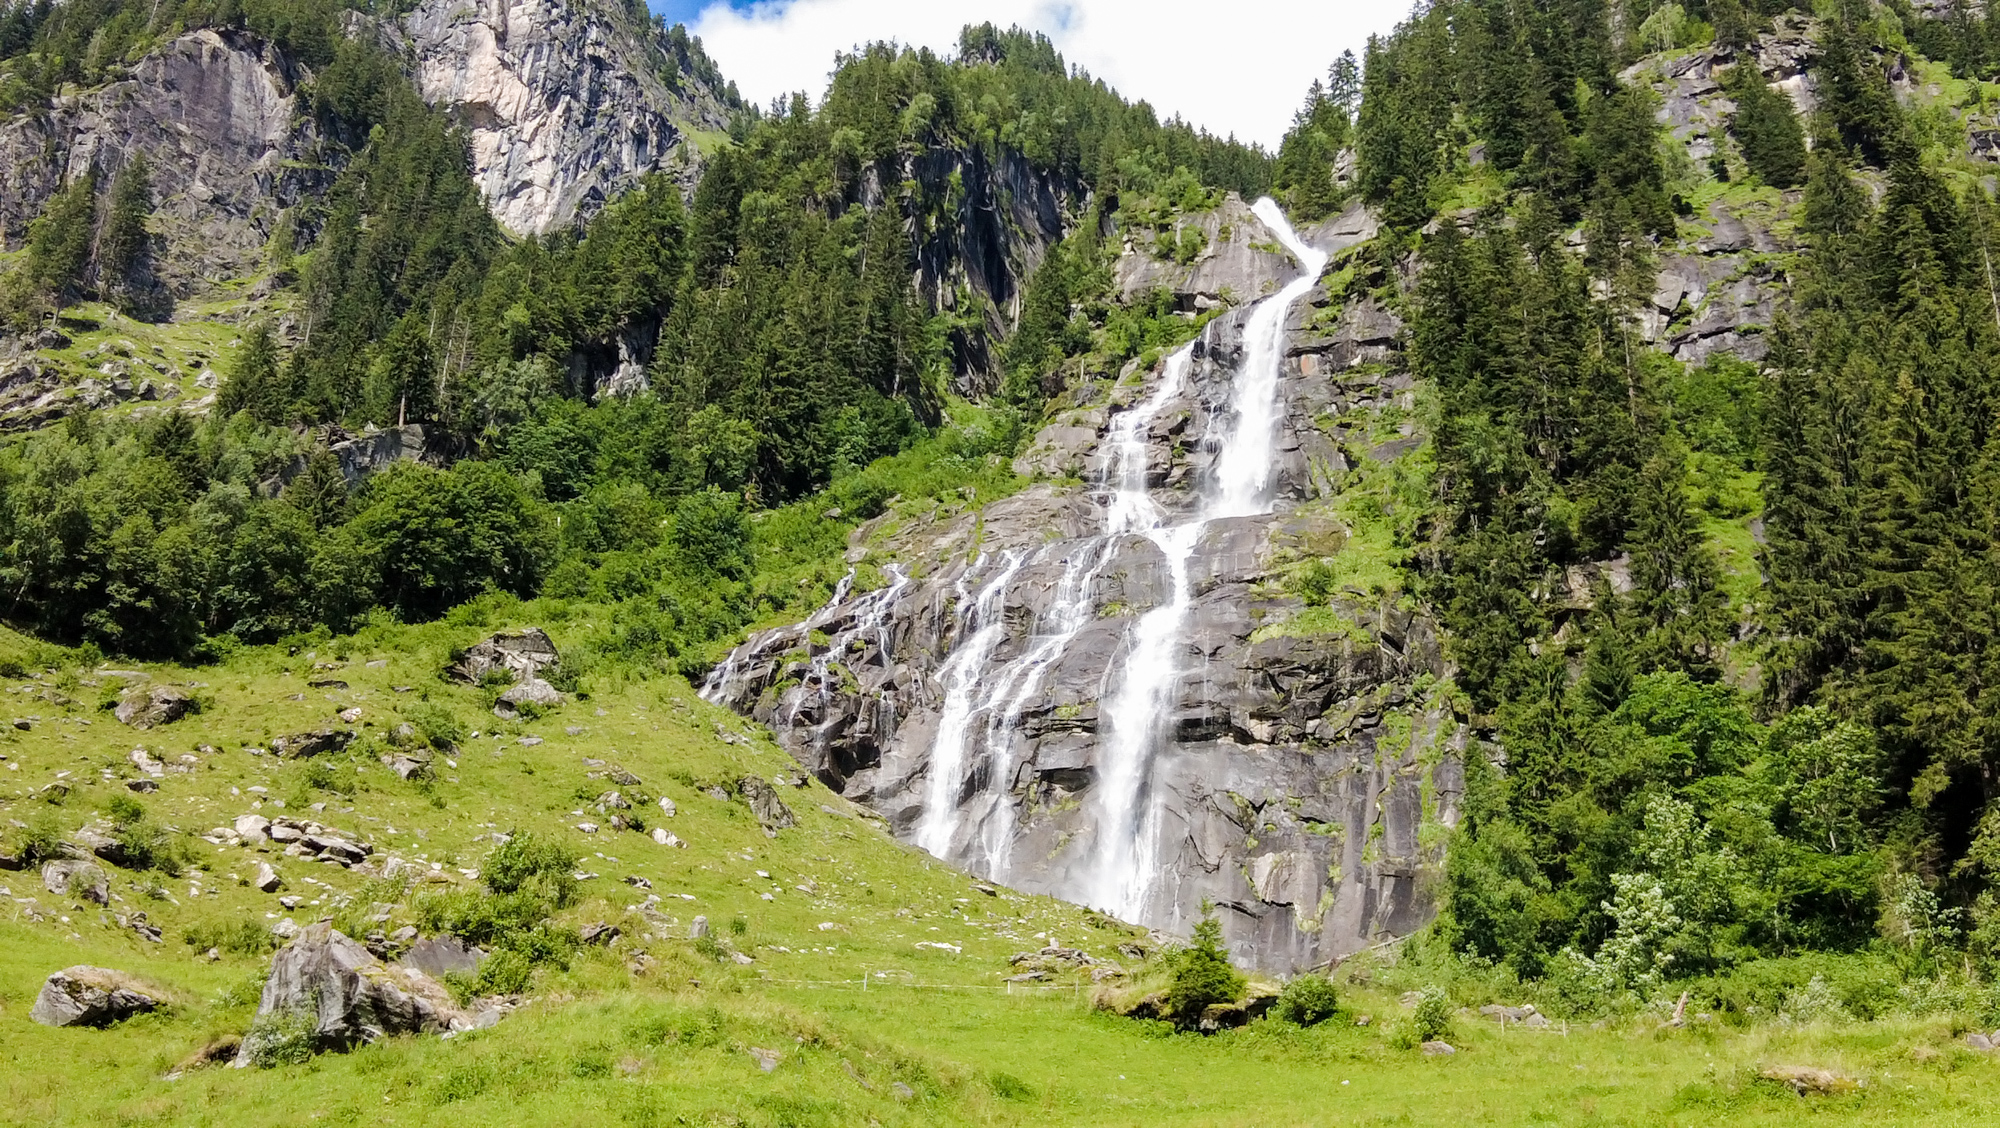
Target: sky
1239,67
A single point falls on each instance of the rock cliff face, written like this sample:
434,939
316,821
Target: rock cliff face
214,114
566,106
969,696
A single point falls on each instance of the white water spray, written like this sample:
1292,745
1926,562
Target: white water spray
1139,712
962,674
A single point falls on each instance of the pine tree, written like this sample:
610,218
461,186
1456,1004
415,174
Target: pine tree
59,240
255,383
1765,126
319,492
1676,583
123,248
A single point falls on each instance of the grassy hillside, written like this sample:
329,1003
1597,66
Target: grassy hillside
658,1029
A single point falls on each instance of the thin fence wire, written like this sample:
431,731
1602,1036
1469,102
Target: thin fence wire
882,981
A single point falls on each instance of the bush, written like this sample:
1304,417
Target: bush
1434,1014
243,936
1203,975
287,1038
1308,1001
437,725
504,972
528,862
144,844
42,840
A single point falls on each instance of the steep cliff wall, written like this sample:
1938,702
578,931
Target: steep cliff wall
215,114
565,105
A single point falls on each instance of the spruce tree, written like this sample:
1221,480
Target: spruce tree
123,248
1765,126
59,240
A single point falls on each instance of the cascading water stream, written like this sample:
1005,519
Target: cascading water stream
985,698
1137,712
961,675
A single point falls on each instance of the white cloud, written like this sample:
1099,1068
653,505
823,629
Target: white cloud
1235,67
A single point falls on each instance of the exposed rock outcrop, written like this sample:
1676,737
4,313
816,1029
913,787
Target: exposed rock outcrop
1303,758
144,707
566,104
519,656
215,114
352,996
92,996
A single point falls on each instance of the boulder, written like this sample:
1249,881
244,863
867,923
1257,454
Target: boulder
145,707
407,765
520,655
533,691
352,996
91,996
770,810
252,827
83,879
303,745
439,956
698,929
1439,1049
267,880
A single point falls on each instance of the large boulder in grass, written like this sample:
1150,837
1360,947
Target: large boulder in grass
771,812
304,745
352,996
522,656
92,996
74,877
145,707
533,692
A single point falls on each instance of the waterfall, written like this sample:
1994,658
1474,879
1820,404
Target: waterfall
988,688
962,674
1139,711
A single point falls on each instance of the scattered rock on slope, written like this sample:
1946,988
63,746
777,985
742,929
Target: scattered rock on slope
353,996
77,878
522,655
302,745
770,810
145,707
91,996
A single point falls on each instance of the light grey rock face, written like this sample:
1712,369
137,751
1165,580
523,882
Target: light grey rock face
1720,284
353,996
215,115
91,996
147,706
74,878
1297,767
520,655
439,956
565,109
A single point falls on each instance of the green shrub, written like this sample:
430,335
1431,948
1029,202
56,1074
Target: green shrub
530,863
1203,975
504,972
437,725
286,1038
42,840
242,936
145,845
1434,1014
1308,1001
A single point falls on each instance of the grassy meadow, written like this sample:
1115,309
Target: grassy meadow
656,1029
